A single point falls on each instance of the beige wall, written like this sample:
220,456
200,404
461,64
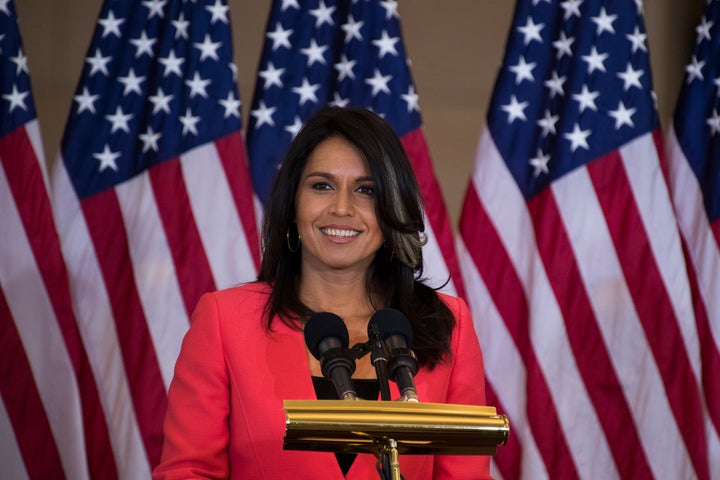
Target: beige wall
455,47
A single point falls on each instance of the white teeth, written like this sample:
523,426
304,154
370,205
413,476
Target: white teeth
336,232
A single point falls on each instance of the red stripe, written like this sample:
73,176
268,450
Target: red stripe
494,265
28,188
708,348
715,229
191,264
23,404
105,223
419,156
586,340
508,456
232,155
652,303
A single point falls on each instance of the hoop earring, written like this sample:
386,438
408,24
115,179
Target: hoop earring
287,237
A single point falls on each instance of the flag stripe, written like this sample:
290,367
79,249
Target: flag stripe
441,246
98,330
191,265
480,242
149,399
654,308
583,334
24,406
27,181
12,464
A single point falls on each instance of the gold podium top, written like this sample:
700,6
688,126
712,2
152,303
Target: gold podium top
366,426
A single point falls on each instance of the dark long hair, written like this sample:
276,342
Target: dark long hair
395,275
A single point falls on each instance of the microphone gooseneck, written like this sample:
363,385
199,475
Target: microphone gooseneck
396,332
327,339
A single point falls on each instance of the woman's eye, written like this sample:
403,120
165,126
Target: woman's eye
321,186
366,189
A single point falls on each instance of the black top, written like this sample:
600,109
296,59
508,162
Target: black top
368,389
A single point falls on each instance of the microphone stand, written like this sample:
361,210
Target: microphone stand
379,357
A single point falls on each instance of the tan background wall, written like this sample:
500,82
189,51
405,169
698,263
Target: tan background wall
455,46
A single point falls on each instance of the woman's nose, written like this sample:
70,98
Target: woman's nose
342,203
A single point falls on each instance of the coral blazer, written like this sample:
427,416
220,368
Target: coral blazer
225,416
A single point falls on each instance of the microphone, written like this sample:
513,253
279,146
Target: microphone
327,339
395,330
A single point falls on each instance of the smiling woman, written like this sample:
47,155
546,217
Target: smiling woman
343,235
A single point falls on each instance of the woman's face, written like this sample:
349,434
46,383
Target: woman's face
335,209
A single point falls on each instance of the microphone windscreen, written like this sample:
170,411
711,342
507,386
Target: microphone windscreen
321,326
390,322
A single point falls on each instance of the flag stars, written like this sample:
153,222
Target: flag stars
623,116
160,101
143,45
155,7
172,64
572,8
595,61
345,68
631,77
307,91
280,37
578,138
386,44
547,123
150,140
231,105
294,128
263,115
98,63
604,22
314,53
189,122
198,86
390,7
208,48
271,76
85,101
586,99
20,61
714,123
107,159
16,99
637,39
703,30
322,14
563,45
111,25
540,163
119,120
352,29
218,12
515,109
531,31
131,83
694,69
181,27
555,85
379,83
523,70
411,98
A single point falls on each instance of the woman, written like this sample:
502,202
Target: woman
343,233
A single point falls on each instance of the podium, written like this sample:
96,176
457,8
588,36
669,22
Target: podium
393,428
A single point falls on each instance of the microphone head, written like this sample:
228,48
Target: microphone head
390,322
322,326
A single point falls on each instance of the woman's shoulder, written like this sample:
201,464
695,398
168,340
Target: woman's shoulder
251,295
454,303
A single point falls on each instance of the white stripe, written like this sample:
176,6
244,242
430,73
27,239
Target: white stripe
695,226
33,131
42,340
154,271
507,209
652,198
434,266
11,461
216,216
620,326
97,328
504,368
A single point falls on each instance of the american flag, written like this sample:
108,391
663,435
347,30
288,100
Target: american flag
572,258
694,159
153,203
349,54
44,374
